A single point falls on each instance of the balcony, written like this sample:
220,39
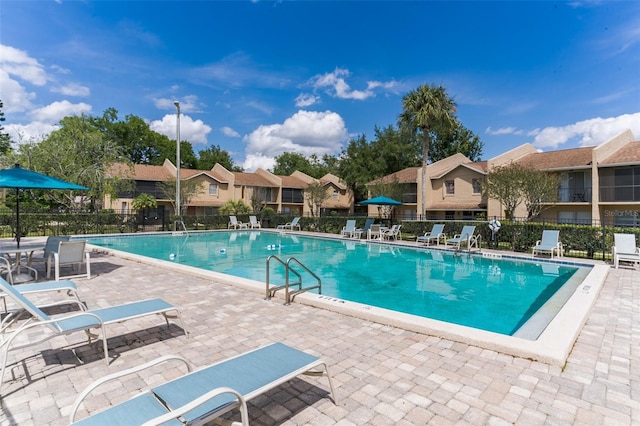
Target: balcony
574,195
620,193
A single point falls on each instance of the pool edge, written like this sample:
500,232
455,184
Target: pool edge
553,346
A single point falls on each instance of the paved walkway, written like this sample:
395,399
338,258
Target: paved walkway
383,375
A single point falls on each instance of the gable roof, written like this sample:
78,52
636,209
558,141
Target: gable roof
627,154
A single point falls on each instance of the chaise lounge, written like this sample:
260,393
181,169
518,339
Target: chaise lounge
201,396
549,243
625,249
80,321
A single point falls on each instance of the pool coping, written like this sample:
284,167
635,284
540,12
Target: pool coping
552,346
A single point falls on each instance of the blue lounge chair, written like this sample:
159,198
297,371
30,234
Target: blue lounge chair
80,321
69,287
436,234
205,394
549,243
465,237
367,226
291,225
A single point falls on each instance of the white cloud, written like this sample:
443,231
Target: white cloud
189,103
15,97
503,131
255,161
228,131
306,133
335,84
35,131
55,111
72,89
588,132
18,63
193,131
306,99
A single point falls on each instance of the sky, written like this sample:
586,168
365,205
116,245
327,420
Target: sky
260,78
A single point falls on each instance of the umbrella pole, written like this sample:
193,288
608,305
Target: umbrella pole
18,217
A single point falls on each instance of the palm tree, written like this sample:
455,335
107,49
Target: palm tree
424,108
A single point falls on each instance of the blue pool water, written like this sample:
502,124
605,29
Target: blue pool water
497,295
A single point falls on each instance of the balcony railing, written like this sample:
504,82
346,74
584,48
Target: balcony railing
620,193
574,195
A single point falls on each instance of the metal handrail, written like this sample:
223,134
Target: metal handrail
289,295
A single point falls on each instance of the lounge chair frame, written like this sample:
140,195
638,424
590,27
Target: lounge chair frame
69,287
291,225
232,382
254,223
81,321
236,224
466,237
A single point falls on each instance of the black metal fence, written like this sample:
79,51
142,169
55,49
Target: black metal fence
579,240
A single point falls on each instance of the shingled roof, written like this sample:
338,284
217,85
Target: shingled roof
574,158
629,153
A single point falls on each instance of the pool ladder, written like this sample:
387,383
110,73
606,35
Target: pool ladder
290,294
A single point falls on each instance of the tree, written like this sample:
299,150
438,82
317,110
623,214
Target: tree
77,152
504,183
289,162
207,158
316,194
143,202
188,189
235,207
453,139
423,109
539,191
5,139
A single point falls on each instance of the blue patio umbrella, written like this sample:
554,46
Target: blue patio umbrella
19,178
381,200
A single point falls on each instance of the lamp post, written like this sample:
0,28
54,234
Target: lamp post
177,104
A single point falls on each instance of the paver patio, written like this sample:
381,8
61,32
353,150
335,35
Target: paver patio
383,375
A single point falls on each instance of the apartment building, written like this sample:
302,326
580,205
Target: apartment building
284,194
597,184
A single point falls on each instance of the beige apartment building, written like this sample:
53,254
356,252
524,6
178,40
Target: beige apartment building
597,185
285,194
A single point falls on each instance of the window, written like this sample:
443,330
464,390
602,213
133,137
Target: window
124,207
450,187
213,189
477,186
335,194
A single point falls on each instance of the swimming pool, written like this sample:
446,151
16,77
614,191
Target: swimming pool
504,296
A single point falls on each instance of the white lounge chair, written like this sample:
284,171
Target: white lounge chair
436,234
253,222
80,321
374,232
69,253
201,396
291,225
466,237
625,249
549,243
236,224
350,230
393,233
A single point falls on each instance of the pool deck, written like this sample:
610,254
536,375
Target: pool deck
383,375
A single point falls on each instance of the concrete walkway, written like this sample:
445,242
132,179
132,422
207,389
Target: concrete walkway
383,375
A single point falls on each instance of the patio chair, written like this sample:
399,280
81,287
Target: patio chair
548,244
350,230
393,233
236,224
69,253
291,225
80,321
374,232
625,249
367,226
436,234
253,222
50,246
205,394
465,237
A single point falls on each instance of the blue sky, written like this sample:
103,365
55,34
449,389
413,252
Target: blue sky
262,78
